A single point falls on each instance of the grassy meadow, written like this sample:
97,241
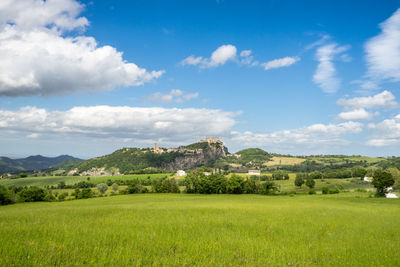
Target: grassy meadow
348,229
70,180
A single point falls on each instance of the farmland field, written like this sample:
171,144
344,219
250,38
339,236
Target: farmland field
284,161
348,229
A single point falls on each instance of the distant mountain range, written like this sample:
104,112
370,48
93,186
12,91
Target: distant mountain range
36,163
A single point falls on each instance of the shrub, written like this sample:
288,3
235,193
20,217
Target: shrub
325,190
84,193
310,183
6,196
235,185
334,191
251,186
102,188
114,187
299,181
382,180
32,194
62,196
269,188
312,192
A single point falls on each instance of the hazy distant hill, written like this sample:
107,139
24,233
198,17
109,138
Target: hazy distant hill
37,162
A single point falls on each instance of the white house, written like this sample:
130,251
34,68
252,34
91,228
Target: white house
180,173
254,172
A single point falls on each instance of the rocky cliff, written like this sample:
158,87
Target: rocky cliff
193,158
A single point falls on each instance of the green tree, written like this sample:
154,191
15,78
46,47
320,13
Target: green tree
102,188
32,194
6,196
269,188
299,181
310,183
381,181
115,187
235,184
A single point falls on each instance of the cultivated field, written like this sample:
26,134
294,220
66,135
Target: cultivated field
203,230
276,161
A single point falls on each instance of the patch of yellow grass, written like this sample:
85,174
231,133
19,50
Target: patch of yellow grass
283,161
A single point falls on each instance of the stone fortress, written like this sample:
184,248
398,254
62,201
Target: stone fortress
209,140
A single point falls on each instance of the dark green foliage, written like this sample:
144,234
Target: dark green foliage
315,175
62,196
310,183
334,190
312,192
359,172
254,155
199,145
84,184
134,187
269,188
6,196
299,181
198,182
84,193
165,185
280,175
251,186
102,187
32,194
235,185
325,190
382,180
130,159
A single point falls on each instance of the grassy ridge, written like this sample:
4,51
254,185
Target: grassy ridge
194,230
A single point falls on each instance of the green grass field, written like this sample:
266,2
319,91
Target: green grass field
69,180
348,229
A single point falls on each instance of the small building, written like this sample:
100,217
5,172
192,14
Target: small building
254,172
180,173
367,179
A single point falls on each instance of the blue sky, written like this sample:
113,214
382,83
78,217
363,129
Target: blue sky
301,77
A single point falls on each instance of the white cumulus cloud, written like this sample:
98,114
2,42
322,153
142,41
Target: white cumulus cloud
118,122
356,114
386,132
325,75
310,138
174,96
382,100
219,57
383,51
280,62
38,59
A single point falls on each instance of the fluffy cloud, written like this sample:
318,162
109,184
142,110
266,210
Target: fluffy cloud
325,75
382,100
307,137
219,57
387,132
37,59
174,96
383,51
118,121
356,114
280,62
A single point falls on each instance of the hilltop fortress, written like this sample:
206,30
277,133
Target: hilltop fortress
185,150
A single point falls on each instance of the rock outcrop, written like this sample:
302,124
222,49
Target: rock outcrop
193,158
